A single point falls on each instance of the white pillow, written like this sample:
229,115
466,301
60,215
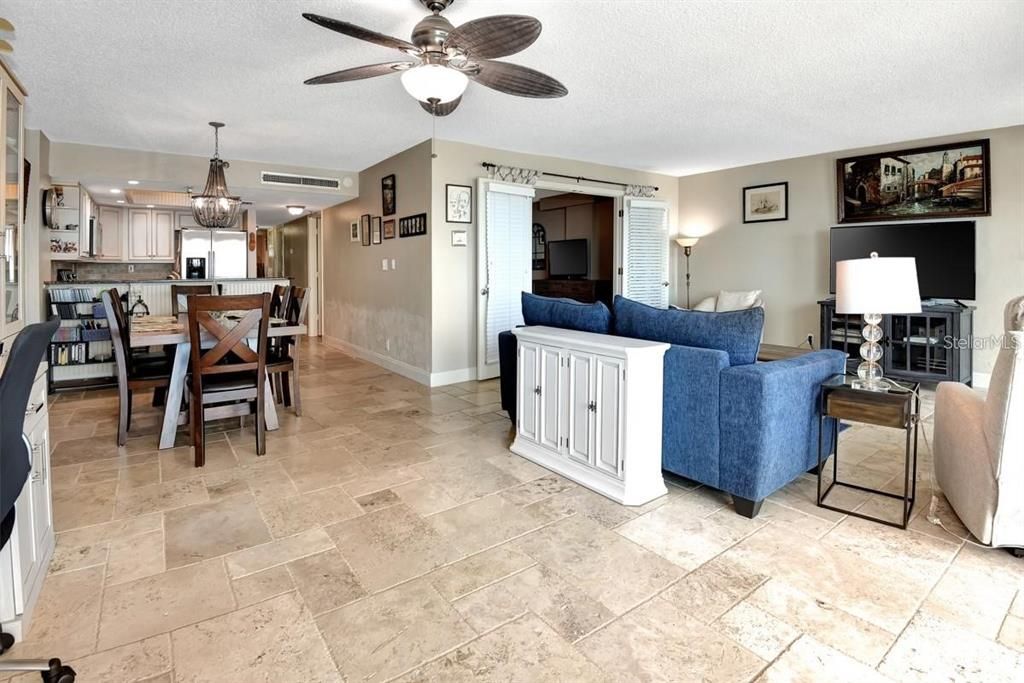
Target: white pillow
738,301
706,305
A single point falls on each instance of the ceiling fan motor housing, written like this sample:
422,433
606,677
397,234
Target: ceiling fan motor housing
429,35
437,5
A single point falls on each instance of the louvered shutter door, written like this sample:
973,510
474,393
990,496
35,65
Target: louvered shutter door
509,264
645,257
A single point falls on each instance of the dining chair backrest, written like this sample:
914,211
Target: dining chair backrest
279,301
230,352
297,303
117,320
179,294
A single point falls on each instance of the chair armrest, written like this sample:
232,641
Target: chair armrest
770,421
507,346
960,422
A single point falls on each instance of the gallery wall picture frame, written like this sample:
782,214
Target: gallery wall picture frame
766,203
412,226
460,238
364,229
388,195
458,201
951,180
353,232
375,230
389,229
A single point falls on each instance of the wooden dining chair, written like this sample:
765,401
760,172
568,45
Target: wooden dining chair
279,301
283,361
179,294
134,372
228,377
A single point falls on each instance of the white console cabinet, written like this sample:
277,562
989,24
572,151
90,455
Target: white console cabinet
588,407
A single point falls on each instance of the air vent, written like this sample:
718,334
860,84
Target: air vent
273,178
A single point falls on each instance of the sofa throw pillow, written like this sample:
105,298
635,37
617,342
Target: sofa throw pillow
738,333
707,304
738,301
567,314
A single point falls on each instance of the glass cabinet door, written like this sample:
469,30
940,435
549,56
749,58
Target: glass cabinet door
13,213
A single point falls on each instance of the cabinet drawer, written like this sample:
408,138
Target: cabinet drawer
36,409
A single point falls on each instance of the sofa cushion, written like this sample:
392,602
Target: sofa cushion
566,314
738,301
738,333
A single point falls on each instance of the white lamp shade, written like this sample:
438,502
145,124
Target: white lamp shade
429,81
687,241
877,285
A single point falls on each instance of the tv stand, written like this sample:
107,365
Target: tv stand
931,346
585,291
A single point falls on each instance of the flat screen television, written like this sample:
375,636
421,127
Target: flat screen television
944,252
568,258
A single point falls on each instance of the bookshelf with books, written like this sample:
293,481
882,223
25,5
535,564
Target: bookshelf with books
83,339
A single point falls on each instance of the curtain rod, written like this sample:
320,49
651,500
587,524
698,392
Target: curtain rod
488,165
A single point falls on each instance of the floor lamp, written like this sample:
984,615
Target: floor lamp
687,244
872,287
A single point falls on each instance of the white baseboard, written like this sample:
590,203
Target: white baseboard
398,367
440,379
430,379
980,380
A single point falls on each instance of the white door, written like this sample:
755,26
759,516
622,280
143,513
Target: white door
504,265
550,397
139,247
607,415
110,234
645,251
529,389
581,406
162,240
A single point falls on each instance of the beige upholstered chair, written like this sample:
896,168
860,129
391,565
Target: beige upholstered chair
979,444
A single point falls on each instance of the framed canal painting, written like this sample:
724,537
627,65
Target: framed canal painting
941,181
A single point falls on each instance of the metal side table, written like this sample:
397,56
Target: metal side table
898,408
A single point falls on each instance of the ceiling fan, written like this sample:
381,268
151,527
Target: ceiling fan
446,58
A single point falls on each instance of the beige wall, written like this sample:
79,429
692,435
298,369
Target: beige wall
789,259
454,292
383,315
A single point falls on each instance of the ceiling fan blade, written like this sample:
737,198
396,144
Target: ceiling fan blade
497,36
517,80
362,33
359,72
441,109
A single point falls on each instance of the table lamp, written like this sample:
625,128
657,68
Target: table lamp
872,287
687,244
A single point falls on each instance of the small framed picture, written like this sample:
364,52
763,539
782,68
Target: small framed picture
375,230
766,203
458,203
388,195
389,229
459,238
364,229
411,226
354,232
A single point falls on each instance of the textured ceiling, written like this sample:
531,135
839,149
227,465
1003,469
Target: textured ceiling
664,85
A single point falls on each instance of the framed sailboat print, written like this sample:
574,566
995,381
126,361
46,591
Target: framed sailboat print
766,203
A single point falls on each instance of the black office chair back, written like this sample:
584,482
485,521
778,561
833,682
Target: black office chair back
15,389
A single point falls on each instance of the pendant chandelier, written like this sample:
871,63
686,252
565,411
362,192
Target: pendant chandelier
215,207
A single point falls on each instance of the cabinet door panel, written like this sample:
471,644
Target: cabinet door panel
608,392
138,234
550,401
163,235
529,403
110,235
581,371
42,514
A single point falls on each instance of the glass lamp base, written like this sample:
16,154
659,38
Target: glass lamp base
869,372
869,385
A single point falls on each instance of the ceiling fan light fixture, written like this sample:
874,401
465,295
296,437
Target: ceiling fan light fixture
295,210
433,81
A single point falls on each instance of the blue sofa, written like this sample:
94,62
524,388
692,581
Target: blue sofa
729,422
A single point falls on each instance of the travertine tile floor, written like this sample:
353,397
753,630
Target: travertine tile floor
389,534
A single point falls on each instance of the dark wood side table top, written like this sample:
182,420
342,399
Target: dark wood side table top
770,352
893,408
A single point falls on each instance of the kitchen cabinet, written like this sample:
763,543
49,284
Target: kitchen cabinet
110,234
576,415
150,235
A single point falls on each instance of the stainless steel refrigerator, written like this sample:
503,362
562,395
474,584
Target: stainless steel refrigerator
224,251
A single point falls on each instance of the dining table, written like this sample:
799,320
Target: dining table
166,330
